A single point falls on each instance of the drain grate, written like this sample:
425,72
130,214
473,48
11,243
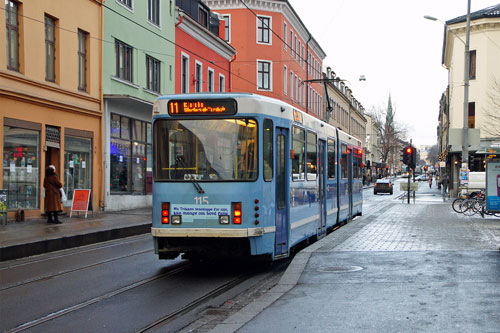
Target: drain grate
340,269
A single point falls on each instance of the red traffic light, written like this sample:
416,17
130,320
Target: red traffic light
409,150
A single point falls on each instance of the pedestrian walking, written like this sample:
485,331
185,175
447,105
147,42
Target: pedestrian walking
444,184
52,187
430,181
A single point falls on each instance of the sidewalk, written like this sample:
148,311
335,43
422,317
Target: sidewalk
400,268
18,240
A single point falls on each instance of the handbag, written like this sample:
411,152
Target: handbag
63,195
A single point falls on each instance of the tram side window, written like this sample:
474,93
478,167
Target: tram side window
331,159
312,156
343,161
357,166
298,154
268,150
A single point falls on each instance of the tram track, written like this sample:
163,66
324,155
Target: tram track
51,276
194,304
62,312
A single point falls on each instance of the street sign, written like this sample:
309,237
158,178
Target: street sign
80,202
403,186
493,186
464,176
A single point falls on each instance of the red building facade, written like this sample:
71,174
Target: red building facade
203,57
276,54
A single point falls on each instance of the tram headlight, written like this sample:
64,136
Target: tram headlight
176,219
224,219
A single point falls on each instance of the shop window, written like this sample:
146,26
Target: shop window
77,164
21,167
298,146
130,155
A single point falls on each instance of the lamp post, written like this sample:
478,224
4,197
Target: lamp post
465,136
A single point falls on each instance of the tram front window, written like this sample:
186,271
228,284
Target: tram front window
205,150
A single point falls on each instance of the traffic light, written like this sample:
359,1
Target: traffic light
410,157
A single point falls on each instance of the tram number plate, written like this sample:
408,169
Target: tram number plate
190,213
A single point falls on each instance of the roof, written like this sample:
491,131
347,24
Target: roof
493,11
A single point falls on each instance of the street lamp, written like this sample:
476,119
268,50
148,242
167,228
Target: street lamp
465,139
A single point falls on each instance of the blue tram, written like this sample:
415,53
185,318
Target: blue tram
242,174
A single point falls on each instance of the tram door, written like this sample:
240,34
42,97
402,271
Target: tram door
282,176
322,187
349,182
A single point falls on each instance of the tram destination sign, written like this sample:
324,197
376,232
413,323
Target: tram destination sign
205,107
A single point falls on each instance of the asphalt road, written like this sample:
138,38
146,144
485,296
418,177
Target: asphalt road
116,286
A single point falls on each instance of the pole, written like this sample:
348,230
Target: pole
409,176
465,136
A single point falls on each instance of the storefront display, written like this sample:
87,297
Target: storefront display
77,165
21,167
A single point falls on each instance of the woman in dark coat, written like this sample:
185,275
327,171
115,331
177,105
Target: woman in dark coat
52,185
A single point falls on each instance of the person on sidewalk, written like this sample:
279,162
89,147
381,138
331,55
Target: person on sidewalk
430,181
444,183
52,187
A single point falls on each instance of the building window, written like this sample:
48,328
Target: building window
21,167
127,3
222,83
285,80
153,74
291,43
298,53
129,153
198,72
285,30
263,29
50,49
472,115
77,164
210,80
185,74
154,11
291,85
264,75
82,60
203,17
472,64
227,28
12,27
123,61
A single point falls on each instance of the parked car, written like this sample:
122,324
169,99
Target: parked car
383,186
422,178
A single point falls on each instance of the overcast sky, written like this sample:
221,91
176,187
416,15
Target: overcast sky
397,50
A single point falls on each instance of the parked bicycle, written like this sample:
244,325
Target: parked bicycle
472,204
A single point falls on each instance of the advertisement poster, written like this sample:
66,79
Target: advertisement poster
493,186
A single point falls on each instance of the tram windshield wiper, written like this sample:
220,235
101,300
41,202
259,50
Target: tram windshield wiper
191,176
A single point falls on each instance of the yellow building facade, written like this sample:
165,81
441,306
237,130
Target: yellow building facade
50,100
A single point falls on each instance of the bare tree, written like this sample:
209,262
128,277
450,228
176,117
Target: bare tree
492,123
433,154
390,132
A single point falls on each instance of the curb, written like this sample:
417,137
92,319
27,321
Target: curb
67,242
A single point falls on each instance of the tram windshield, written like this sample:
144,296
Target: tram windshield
205,150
